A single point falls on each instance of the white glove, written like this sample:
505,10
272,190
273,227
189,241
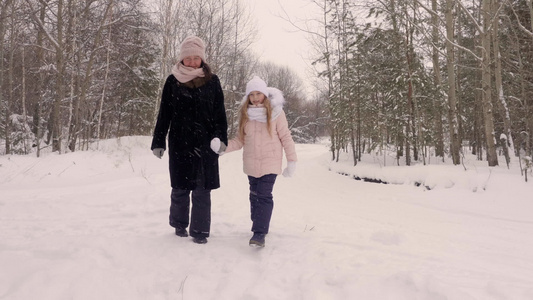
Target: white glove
217,146
289,170
158,152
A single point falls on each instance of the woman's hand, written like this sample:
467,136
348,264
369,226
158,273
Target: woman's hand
158,152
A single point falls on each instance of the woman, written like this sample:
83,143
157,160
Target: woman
192,113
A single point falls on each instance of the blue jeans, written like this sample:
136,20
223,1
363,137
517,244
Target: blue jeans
200,213
261,201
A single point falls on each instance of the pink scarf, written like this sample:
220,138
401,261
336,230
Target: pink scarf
186,74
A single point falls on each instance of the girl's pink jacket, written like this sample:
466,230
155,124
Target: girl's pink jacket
263,154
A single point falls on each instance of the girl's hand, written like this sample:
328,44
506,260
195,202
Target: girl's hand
290,169
217,146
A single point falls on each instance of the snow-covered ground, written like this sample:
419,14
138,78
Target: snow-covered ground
94,225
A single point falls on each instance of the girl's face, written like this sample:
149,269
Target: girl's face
256,98
192,61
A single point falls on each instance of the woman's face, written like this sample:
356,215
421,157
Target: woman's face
256,97
192,61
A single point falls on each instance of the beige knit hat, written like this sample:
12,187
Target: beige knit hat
192,46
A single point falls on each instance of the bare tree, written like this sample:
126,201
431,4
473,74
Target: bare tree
485,31
507,144
169,15
452,100
437,78
6,6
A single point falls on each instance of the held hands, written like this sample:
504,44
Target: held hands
158,152
217,146
290,169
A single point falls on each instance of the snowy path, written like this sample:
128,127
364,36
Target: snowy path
93,225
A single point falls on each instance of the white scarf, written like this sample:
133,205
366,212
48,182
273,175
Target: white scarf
185,74
258,113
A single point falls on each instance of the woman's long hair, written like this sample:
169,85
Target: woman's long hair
207,71
243,116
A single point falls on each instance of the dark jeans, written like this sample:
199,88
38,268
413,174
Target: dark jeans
200,214
261,201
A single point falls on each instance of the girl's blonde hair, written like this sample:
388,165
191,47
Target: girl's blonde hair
243,116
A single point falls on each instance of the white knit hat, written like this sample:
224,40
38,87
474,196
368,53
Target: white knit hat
192,46
256,84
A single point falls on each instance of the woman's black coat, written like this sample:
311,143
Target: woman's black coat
195,116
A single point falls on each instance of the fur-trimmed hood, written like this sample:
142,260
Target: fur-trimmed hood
276,101
274,95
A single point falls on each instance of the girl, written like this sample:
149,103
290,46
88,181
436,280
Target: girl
263,135
192,113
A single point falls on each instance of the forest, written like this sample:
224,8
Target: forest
416,78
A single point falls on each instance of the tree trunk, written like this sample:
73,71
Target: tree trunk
40,83
526,134
499,86
3,19
106,75
74,103
478,125
530,5
10,81
23,97
410,128
492,157
354,148
452,101
60,90
412,102
437,79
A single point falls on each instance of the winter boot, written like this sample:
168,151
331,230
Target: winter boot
200,240
182,232
257,240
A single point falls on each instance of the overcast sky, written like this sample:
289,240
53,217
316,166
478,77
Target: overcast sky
277,40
